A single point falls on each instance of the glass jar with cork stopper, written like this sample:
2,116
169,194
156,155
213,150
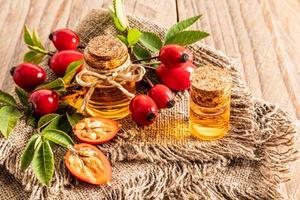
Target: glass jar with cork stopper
109,77
210,102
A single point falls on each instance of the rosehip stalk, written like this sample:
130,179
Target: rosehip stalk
145,59
161,95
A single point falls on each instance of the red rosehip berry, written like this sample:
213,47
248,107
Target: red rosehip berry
28,76
162,96
44,101
173,55
176,78
64,39
61,60
143,110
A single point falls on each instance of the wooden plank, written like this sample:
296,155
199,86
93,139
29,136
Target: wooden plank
264,36
162,12
47,16
249,32
11,30
286,44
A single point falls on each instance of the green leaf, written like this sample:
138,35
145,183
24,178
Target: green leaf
28,152
116,21
119,12
54,124
7,99
151,41
123,39
186,37
180,26
73,65
31,120
74,118
23,96
9,117
46,119
133,36
36,40
33,57
140,53
57,84
27,36
58,137
60,123
43,163
37,49
71,71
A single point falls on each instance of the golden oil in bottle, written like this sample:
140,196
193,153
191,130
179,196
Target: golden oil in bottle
107,55
210,102
110,102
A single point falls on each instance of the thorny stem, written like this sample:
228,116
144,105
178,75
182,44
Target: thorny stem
145,59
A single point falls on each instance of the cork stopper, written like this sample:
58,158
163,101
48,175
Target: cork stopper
105,52
209,85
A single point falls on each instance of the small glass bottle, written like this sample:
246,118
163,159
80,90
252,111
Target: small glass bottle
210,102
106,55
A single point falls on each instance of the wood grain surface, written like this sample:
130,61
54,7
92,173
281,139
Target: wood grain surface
262,37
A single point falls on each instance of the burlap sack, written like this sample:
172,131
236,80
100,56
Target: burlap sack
163,161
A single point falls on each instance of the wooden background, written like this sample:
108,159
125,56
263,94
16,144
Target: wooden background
262,36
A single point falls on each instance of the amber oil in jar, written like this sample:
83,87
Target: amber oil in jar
210,102
110,102
104,54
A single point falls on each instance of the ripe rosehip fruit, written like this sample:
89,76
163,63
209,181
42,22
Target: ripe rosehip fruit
61,60
44,101
176,78
162,96
28,76
64,39
173,55
143,110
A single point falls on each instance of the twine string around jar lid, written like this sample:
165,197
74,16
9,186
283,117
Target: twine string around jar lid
127,72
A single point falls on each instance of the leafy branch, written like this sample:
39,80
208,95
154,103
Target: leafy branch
48,130
38,151
143,44
37,50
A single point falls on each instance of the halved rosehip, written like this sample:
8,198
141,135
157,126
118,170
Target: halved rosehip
96,130
64,39
87,163
61,60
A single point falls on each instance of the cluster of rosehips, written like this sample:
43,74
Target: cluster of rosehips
28,76
174,72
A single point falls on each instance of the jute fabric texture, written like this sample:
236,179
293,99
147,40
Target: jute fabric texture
163,161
